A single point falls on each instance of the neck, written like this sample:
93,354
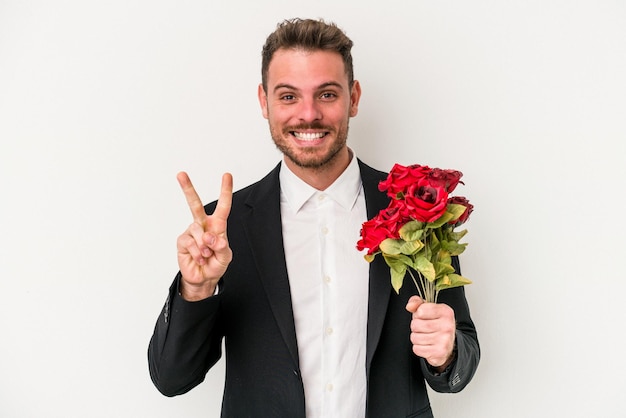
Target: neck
322,177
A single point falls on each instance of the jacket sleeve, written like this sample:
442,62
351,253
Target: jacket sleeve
186,343
462,369
460,372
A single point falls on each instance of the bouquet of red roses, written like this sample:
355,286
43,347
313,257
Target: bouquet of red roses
416,232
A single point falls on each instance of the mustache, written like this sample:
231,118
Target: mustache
306,126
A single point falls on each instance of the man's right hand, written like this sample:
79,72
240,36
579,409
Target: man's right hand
203,250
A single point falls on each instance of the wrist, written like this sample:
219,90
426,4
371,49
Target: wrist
446,365
194,293
441,369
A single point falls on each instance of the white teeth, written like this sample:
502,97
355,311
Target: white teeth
308,136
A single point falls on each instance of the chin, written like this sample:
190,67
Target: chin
314,160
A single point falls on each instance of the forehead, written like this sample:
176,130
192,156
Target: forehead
301,68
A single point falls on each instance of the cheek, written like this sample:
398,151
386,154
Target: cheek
335,117
278,116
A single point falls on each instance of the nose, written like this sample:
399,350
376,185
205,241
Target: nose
309,110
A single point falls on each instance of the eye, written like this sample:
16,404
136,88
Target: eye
328,95
287,97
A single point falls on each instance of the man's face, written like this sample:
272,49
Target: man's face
308,105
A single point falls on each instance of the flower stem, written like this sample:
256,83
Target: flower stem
419,290
430,292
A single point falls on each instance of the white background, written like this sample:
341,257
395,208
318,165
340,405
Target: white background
103,102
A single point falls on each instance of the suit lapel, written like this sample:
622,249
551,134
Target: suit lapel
379,287
264,232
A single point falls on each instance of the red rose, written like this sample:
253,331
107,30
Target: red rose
401,177
426,202
385,225
447,179
392,219
373,232
460,200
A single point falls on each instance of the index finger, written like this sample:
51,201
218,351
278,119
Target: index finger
224,202
193,200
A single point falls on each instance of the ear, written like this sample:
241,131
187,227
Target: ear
355,96
262,100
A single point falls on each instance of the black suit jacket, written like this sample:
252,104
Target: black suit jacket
253,314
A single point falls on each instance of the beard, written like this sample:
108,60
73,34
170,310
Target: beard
310,157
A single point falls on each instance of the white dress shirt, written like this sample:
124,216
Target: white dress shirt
329,279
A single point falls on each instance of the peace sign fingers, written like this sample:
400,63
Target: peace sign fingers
222,210
193,200
203,250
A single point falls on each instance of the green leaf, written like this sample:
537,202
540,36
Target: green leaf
424,266
434,241
454,248
443,282
396,280
391,246
443,219
456,236
369,257
444,256
411,247
443,269
412,231
398,262
452,280
455,210
397,268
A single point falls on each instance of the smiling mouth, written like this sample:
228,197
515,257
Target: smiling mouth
308,136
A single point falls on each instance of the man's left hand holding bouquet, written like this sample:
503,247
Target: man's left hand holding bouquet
433,330
416,234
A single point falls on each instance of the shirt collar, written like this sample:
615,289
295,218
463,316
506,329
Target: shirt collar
344,190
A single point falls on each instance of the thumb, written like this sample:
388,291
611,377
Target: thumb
414,303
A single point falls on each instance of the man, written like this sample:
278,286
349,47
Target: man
310,328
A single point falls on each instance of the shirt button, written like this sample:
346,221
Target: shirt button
321,197
324,230
327,279
329,331
330,387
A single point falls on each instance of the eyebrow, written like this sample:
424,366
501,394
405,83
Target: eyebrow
320,87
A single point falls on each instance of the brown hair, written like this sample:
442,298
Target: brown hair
309,35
